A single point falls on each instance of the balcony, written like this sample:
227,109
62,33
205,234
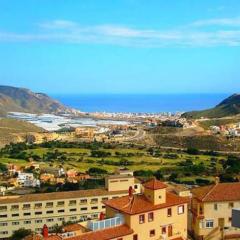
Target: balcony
106,223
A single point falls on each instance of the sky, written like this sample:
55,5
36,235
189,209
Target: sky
120,46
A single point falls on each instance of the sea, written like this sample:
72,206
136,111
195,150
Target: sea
140,103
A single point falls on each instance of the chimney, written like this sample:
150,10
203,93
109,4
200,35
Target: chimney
45,231
217,180
130,192
101,216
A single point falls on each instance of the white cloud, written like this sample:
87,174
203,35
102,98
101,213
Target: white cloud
64,31
230,22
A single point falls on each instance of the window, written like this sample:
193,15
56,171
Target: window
83,201
27,222
215,207
105,199
38,221
84,209
15,223
73,210
49,204
152,233
150,217
103,207
169,212
61,203
27,214
38,213
14,207
135,186
181,209
230,219
135,237
73,218
26,206
94,200
170,231
2,224
164,230
61,219
209,224
3,216
61,211
15,215
49,212
141,218
231,205
72,202
50,220
4,232
3,208
94,208
38,205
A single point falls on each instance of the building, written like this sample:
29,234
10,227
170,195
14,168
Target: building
211,211
118,182
27,180
32,211
85,132
154,214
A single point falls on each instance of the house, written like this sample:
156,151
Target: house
32,211
211,211
154,214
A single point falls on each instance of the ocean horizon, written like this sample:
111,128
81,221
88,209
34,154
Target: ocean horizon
140,103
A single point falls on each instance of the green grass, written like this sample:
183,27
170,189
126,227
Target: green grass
78,158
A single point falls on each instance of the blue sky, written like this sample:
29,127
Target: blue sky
121,46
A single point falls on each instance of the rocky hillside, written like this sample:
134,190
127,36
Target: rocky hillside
13,99
228,107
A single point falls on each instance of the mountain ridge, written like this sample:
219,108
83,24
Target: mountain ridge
15,99
226,108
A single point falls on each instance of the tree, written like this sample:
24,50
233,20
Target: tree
20,234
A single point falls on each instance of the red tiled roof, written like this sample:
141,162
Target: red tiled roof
53,237
105,234
177,238
232,236
219,192
72,227
154,184
33,237
140,204
39,237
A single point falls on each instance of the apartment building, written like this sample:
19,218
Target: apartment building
211,211
154,214
32,211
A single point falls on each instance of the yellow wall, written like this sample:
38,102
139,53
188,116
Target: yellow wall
223,211
161,219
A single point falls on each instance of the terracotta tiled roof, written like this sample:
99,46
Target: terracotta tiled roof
33,237
39,237
105,234
140,204
232,236
72,227
219,192
58,195
53,237
177,238
154,184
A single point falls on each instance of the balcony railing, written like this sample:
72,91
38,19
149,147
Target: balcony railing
107,223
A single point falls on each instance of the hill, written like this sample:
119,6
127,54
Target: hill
12,130
228,107
13,99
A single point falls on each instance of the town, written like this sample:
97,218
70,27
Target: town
125,208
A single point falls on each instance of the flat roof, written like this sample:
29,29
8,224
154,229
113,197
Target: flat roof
38,197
